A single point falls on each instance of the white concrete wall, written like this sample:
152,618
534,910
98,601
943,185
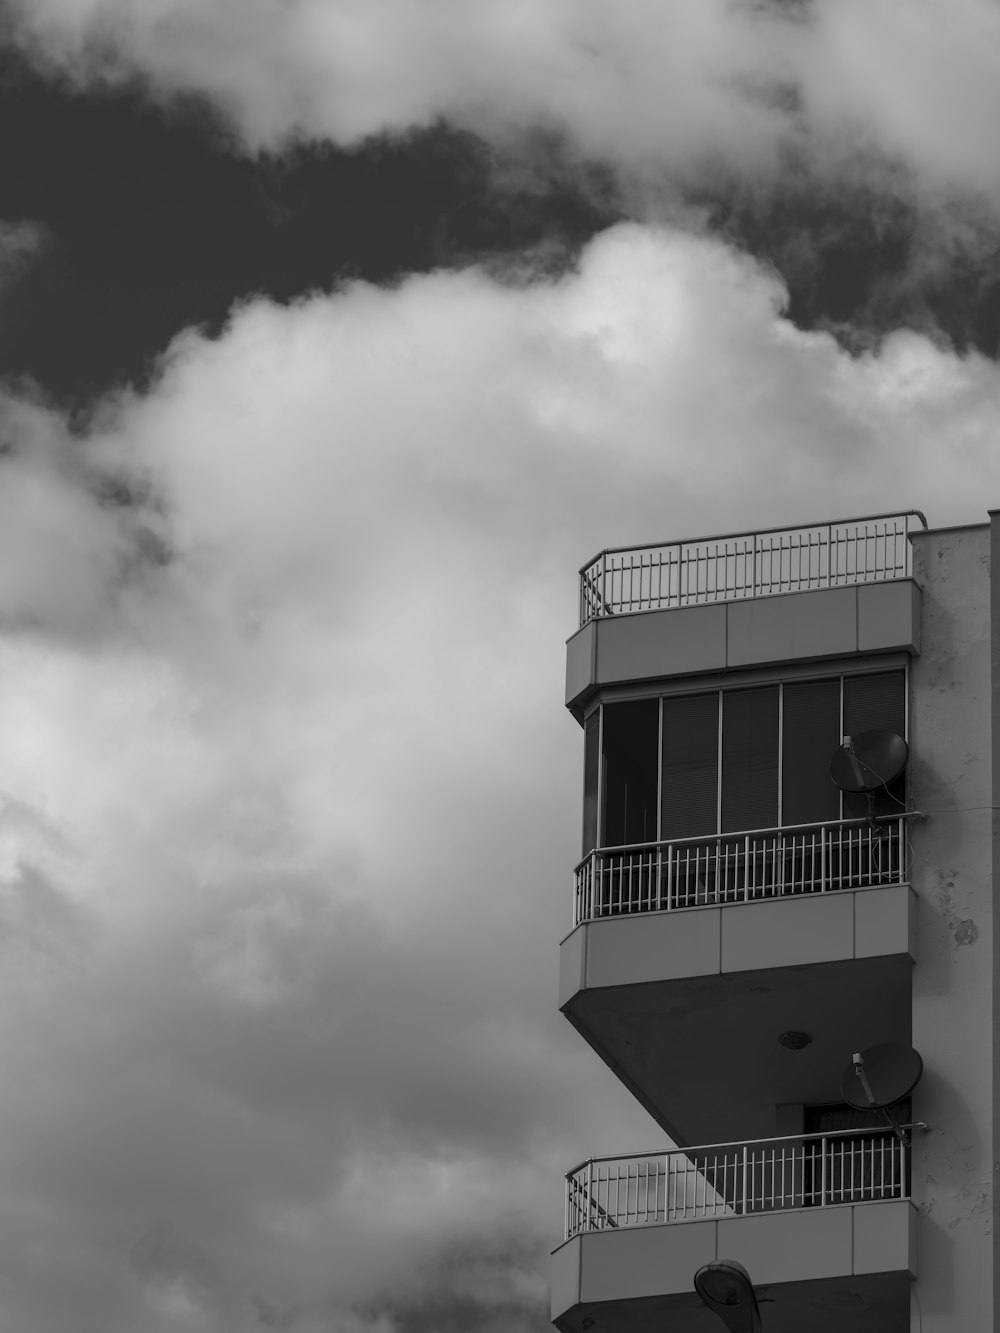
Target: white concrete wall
729,636
953,976
796,1256
741,937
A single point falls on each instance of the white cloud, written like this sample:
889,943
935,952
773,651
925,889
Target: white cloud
288,819
20,241
701,86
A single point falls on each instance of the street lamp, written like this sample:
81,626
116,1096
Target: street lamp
726,1289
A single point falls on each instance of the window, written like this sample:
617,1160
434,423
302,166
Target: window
591,772
874,703
690,766
809,735
749,758
630,772
731,760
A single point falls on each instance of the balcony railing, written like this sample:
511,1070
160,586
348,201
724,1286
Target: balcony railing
747,564
735,1179
740,867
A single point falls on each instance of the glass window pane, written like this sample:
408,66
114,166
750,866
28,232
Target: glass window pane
591,768
876,703
690,766
810,735
750,759
630,751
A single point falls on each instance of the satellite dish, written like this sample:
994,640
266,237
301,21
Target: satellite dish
868,761
881,1076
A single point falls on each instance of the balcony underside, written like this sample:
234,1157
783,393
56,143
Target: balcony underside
702,1054
874,1303
822,1269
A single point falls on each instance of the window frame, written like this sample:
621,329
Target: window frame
690,689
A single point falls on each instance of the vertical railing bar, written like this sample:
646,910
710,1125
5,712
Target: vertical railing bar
721,1198
699,1179
823,1170
774,1175
843,1169
822,859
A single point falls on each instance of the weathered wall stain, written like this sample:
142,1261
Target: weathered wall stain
976,1199
963,929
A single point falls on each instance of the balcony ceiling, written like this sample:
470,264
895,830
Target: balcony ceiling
702,1053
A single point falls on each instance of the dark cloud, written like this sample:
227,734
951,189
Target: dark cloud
863,262
196,160
150,222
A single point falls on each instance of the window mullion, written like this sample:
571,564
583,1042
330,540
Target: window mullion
718,790
781,750
840,804
600,778
659,770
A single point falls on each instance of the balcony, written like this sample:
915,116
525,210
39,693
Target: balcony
736,1179
699,608
740,867
822,1222
738,565
729,943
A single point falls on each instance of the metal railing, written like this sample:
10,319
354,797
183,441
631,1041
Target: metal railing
734,1179
740,867
747,564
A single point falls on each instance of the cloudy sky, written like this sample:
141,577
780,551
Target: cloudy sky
335,335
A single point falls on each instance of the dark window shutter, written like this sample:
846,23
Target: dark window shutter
591,768
690,773
630,750
875,703
810,735
750,759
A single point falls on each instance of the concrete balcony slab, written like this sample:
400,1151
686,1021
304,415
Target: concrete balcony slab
661,994
812,1269
824,623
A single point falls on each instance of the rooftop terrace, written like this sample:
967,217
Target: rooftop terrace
737,565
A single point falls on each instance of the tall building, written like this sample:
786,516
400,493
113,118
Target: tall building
744,927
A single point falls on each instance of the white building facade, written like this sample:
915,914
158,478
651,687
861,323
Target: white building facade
742,926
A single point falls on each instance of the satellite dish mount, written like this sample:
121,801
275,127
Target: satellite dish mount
879,1078
866,763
